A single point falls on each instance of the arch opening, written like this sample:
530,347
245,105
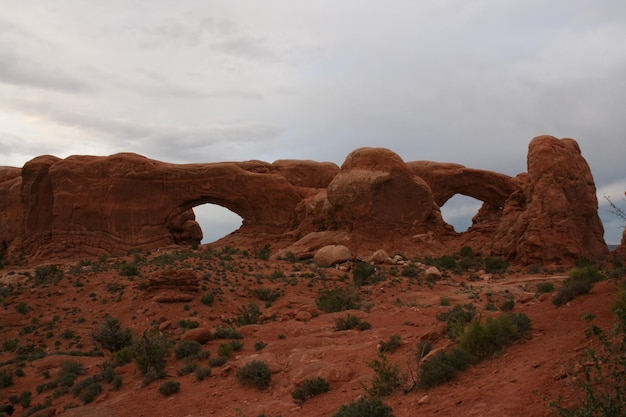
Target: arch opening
216,221
459,210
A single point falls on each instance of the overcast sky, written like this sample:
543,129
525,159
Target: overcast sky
462,81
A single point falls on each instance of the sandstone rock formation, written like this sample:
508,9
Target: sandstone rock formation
92,205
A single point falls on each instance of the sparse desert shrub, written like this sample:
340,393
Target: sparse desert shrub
410,271
48,274
111,336
226,333
362,272
365,406
442,367
457,318
267,294
6,378
88,389
169,388
309,389
151,352
187,368
423,348
390,345
202,373
9,345
495,265
347,322
237,345
387,377
129,269
484,338
263,253
22,307
248,315
442,263
332,301
70,370
259,345
188,324
619,307
225,349
545,287
508,305
254,374
207,298
187,348
217,361
580,281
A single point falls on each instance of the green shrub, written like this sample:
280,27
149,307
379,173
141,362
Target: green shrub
390,345
6,378
226,333
362,273
259,345
483,339
466,252
207,298
48,274
423,348
225,349
237,345
88,389
256,373
495,265
410,271
187,368
263,253
169,388
508,305
545,287
248,315
217,361
599,384
364,325
70,370
111,336
22,307
580,281
202,373
309,389
457,318
387,377
365,407
151,352
9,345
347,322
129,269
619,307
332,301
267,294
442,367
187,348
188,324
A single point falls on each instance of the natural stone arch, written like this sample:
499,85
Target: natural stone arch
446,180
448,217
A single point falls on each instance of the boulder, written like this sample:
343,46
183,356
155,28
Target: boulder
331,255
201,335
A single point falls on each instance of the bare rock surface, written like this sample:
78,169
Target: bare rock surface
96,205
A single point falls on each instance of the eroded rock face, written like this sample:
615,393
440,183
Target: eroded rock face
92,205
555,217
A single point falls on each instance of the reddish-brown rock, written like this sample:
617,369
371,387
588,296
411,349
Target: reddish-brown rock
555,217
92,205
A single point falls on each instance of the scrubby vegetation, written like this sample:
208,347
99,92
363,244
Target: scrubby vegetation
310,388
580,281
254,374
365,406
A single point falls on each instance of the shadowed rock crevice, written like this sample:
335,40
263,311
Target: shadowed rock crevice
104,205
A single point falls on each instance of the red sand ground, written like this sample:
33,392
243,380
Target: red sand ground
514,383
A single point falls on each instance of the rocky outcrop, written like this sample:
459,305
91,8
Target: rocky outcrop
92,205
172,285
555,217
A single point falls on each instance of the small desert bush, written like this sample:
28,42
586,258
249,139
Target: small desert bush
188,324
332,301
495,265
217,361
362,272
6,378
249,314
545,287
267,294
365,406
151,352
129,269
259,345
457,318
202,373
349,322
254,374
207,298
580,281
169,388
387,377
225,349
187,349
111,336
442,367
484,338
48,274
390,345
309,389
70,370
226,333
